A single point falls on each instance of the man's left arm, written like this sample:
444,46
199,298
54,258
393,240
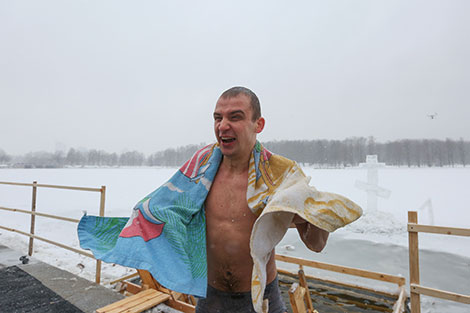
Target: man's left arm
313,237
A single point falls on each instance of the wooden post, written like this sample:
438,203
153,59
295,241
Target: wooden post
33,218
414,263
102,200
296,298
98,262
304,284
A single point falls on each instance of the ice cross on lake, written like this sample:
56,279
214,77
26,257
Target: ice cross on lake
372,185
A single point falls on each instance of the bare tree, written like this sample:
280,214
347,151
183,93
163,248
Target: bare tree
4,157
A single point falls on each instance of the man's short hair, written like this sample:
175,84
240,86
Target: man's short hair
254,101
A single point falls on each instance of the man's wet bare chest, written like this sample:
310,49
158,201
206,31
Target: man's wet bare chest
227,203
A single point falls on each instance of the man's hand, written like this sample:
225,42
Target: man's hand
313,237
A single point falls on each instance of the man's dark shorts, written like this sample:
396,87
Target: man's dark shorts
239,302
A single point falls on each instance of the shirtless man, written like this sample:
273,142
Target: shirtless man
229,221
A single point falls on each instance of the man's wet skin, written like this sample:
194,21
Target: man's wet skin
229,224
229,220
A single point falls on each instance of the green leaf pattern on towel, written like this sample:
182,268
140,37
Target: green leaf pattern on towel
185,231
107,231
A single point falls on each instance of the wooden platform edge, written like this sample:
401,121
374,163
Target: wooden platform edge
136,303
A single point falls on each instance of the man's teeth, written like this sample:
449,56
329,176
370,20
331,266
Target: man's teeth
227,139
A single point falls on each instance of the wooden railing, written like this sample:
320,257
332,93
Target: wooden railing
415,288
400,281
33,214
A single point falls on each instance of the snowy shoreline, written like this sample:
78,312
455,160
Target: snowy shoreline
377,241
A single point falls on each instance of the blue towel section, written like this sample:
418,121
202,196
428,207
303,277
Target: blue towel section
166,233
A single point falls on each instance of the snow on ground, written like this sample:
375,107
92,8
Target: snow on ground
378,241
445,188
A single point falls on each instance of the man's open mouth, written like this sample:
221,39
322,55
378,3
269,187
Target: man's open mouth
227,139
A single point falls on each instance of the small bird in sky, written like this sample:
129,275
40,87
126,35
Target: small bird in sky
432,116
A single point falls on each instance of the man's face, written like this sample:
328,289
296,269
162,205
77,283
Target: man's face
234,127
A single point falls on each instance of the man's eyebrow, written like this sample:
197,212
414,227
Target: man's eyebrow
231,113
237,112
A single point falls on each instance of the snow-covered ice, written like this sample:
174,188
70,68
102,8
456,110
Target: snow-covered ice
377,241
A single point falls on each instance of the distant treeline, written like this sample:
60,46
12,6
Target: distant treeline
93,157
321,153
352,151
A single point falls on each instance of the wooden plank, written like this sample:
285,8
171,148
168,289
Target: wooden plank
131,287
335,282
98,262
413,227
98,272
57,217
343,269
123,278
439,294
33,218
52,186
136,303
304,284
399,306
189,299
127,302
292,300
15,184
102,199
70,187
147,279
296,297
176,295
48,241
41,214
414,263
150,303
180,305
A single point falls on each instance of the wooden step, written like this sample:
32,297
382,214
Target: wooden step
137,303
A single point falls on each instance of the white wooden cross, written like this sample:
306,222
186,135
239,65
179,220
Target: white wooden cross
372,185
427,205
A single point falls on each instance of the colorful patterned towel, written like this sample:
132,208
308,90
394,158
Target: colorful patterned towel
166,232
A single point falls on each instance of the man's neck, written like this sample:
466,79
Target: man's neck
235,165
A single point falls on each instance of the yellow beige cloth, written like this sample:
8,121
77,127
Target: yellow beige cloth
277,190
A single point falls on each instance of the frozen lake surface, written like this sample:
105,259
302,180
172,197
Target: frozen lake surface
378,241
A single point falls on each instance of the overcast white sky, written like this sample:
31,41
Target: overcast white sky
145,75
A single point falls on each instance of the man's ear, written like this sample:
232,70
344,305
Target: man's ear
260,125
